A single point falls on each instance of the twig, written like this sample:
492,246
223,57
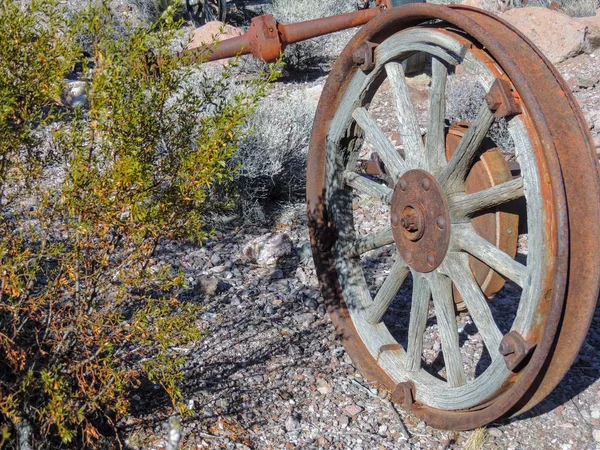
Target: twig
391,407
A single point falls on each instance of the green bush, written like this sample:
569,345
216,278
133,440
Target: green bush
87,196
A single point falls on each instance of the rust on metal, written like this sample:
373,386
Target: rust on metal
403,394
419,214
500,99
514,349
364,55
266,39
556,122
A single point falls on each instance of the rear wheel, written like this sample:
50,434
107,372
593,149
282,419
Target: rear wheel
398,261
203,11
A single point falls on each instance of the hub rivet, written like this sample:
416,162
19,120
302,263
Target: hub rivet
426,184
394,220
441,222
408,256
403,185
431,258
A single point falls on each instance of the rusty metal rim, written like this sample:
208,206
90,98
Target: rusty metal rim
496,38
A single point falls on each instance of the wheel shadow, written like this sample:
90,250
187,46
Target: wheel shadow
584,372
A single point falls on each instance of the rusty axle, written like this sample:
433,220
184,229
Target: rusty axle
266,38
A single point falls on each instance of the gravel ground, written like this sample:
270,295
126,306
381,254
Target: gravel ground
271,373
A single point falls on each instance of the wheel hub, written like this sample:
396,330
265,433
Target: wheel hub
420,220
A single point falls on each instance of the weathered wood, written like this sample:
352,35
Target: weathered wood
453,176
436,142
466,205
467,239
384,147
377,338
368,187
431,42
388,290
370,242
457,267
419,309
536,237
443,302
408,126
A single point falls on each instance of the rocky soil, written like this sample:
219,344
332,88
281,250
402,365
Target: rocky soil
270,372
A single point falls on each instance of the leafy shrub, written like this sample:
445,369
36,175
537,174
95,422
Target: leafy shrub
87,195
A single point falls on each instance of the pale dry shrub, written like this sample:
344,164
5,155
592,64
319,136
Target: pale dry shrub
272,161
317,51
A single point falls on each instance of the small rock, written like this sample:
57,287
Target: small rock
304,319
352,410
266,250
276,274
211,286
382,430
74,94
344,421
495,432
292,423
586,83
324,387
596,435
595,412
215,259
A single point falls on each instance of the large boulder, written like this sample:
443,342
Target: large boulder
558,35
593,30
211,32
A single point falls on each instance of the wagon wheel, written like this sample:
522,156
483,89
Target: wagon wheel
202,11
400,325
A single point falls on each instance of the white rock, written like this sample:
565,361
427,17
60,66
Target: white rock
266,250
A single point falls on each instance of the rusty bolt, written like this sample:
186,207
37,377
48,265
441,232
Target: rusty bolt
364,55
441,222
500,99
404,394
431,258
403,185
408,256
515,350
426,184
394,220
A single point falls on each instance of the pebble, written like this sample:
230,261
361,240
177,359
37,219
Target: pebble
344,421
292,422
324,387
352,410
596,435
495,432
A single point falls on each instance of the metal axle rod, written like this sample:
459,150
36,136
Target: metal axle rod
266,39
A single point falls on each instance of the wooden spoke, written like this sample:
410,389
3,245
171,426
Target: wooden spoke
467,239
465,205
443,302
388,291
368,187
454,174
436,145
407,118
384,147
457,267
370,242
418,320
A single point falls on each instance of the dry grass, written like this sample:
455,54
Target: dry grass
477,439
